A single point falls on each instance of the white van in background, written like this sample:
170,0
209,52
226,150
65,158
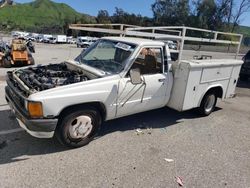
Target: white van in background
56,39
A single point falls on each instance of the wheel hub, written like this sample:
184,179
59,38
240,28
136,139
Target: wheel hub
80,127
209,103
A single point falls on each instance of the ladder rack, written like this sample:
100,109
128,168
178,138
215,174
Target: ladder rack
180,34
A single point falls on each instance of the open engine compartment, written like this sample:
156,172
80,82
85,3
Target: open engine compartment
41,78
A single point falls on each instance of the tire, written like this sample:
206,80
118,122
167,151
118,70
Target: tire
79,127
32,61
85,46
208,104
6,63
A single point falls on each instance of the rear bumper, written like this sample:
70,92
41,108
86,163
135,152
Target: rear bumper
40,128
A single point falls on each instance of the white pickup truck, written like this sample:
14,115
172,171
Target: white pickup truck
115,77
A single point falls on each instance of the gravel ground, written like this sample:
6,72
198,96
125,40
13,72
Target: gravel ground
211,151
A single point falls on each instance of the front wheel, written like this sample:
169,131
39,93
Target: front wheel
6,63
208,104
79,127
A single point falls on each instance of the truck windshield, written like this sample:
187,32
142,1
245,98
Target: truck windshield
108,56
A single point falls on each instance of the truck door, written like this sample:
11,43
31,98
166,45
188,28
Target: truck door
151,92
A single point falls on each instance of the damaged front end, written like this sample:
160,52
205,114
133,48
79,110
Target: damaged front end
40,78
22,83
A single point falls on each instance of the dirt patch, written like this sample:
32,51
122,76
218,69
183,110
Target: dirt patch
2,78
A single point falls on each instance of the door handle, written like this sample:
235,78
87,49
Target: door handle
162,80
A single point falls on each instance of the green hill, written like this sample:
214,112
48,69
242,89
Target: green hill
244,30
40,16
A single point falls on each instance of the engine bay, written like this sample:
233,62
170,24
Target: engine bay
41,78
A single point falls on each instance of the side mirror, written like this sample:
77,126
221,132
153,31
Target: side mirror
135,76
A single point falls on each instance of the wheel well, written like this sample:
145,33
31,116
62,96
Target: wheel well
217,90
97,105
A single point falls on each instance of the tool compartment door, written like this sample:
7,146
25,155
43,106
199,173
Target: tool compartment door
233,81
211,74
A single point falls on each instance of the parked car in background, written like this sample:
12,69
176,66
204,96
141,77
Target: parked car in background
52,40
56,39
172,45
45,38
71,41
85,42
245,69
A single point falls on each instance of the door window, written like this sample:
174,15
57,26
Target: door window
149,61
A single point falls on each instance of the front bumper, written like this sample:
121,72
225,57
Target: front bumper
40,128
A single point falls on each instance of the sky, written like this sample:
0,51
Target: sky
142,7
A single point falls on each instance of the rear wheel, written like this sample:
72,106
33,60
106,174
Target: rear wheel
208,104
6,63
79,127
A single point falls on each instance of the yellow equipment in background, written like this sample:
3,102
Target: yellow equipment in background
18,55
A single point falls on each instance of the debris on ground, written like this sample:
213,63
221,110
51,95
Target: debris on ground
179,181
169,160
139,131
164,129
149,130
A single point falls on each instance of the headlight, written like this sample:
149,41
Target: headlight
35,109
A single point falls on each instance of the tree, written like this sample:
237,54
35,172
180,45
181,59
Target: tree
164,12
214,14
244,7
103,17
230,12
183,12
171,12
122,17
206,14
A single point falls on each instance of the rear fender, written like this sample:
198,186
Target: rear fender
211,87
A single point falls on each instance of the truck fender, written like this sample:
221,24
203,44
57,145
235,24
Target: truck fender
98,105
217,87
